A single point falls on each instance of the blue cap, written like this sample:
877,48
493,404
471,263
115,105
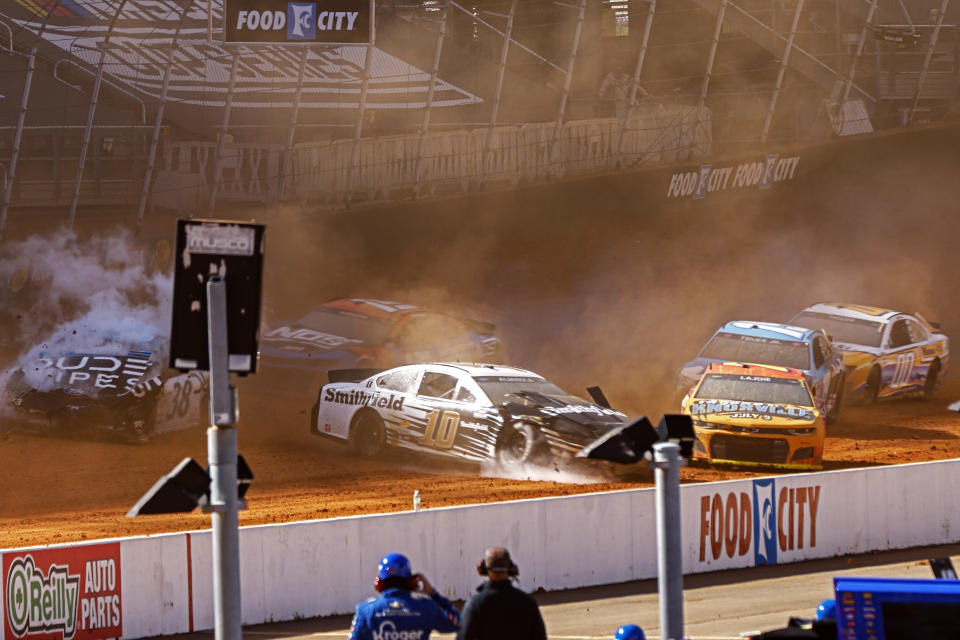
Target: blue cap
629,632
394,565
827,610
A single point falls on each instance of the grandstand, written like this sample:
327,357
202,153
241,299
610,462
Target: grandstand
140,103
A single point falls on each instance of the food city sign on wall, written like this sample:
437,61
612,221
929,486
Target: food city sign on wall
708,178
302,22
63,594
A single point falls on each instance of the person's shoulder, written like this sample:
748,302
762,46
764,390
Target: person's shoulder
369,603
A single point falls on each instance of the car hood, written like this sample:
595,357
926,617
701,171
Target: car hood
579,422
741,412
297,340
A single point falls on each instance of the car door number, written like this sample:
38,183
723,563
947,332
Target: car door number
904,367
441,429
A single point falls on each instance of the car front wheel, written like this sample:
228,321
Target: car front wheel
521,443
930,384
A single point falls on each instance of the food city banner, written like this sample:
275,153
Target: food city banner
160,585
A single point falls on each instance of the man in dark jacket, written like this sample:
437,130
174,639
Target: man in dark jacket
408,607
500,611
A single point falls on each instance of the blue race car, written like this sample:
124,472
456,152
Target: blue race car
780,345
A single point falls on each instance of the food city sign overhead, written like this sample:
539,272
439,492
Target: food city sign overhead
301,22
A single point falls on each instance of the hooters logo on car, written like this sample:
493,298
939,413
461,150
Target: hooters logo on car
765,522
67,594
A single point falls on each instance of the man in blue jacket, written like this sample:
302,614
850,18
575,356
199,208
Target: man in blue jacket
408,608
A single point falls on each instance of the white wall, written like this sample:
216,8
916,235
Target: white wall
327,566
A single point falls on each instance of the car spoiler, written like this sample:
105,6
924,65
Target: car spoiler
351,375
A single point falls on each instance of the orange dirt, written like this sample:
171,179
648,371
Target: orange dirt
58,491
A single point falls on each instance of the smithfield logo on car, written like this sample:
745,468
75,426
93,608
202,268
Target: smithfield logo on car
364,399
764,522
388,631
578,408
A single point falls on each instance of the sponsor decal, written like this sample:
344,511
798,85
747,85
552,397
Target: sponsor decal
708,178
364,398
318,338
227,240
65,594
388,631
123,374
764,523
581,408
767,410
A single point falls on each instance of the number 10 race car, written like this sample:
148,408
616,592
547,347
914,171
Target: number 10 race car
480,413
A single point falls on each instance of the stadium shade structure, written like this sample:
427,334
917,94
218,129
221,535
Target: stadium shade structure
134,103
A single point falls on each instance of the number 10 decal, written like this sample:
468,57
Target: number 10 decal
903,369
441,429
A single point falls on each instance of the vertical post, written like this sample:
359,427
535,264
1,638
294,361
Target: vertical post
292,126
222,139
666,458
498,92
155,139
926,60
860,42
21,119
784,61
718,28
434,73
94,99
361,110
568,79
222,458
636,77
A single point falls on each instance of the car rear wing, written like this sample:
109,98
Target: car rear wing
351,375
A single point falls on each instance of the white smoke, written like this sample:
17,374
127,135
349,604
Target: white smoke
96,295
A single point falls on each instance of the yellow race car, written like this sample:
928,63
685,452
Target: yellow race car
886,354
754,415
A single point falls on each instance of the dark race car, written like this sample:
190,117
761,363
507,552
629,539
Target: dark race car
127,396
472,412
350,333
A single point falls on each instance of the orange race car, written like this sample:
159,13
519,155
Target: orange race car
749,414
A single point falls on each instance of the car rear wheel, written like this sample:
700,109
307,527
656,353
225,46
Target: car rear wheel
521,443
873,387
837,401
368,437
930,385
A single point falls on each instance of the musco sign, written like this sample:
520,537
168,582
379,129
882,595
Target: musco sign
316,22
63,594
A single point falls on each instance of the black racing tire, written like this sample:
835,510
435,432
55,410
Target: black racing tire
834,414
521,443
873,387
368,435
933,375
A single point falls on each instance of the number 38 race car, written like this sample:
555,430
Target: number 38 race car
480,413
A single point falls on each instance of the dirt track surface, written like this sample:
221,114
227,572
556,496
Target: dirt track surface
589,282
58,491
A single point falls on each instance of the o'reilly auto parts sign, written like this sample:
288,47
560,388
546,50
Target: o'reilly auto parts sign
284,21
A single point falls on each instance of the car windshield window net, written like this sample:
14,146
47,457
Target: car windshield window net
719,386
498,388
347,325
843,329
731,347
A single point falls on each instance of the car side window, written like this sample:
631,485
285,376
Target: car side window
899,334
437,385
398,381
917,332
818,356
465,395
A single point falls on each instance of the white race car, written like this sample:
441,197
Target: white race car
475,412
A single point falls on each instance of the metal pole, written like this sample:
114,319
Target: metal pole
21,119
292,127
434,73
926,60
568,79
636,77
501,71
222,139
94,98
361,109
853,63
710,59
666,458
781,72
155,139
222,458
